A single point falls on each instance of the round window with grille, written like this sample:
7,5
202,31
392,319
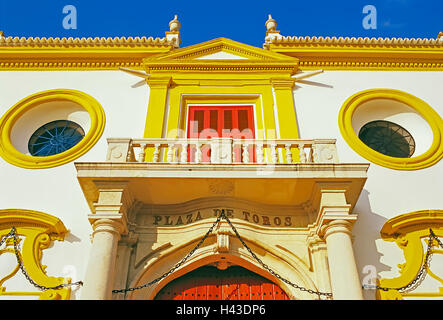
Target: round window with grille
50,128
55,137
392,128
388,138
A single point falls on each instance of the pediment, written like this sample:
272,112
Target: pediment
217,47
221,54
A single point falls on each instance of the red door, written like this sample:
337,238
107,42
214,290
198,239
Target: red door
221,121
210,283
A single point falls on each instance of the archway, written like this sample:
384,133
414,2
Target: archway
210,283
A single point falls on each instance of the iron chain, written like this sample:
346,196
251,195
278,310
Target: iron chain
181,262
267,268
420,273
12,234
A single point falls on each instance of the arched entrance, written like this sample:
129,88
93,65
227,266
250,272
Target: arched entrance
210,283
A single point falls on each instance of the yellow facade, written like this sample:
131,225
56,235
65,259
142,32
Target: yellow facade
155,197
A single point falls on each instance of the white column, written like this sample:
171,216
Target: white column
100,275
345,281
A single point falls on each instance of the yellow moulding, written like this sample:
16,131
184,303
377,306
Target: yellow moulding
9,153
156,106
287,121
176,101
180,97
408,231
251,53
156,110
36,230
259,96
428,158
361,58
77,58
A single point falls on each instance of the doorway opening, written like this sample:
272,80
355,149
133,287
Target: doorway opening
210,283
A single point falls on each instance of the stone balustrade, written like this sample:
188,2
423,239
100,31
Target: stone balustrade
222,150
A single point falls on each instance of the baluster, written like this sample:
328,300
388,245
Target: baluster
198,153
141,155
156,152
184,153
301,147
288,153
273,153
245,155
236,151
233,153
131,154
313,157
170,154
260,153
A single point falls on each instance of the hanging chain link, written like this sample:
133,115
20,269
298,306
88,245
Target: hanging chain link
177,265
13,234
422,270
266,267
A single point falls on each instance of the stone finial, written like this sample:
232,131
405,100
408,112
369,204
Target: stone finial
173,34
2,34
271,24
174,25
271,31
440,36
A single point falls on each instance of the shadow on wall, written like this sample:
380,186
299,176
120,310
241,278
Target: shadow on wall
314,83
72,238
365,233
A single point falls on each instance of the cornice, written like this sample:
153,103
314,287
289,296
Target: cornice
411,221
306,53
289,66
352,41
79,53
255,60
344,53
223,45
43,42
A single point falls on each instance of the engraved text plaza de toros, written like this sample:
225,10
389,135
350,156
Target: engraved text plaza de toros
195,216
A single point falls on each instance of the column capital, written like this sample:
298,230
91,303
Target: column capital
282,83
114,201
332,205
114,226
336,226
159,82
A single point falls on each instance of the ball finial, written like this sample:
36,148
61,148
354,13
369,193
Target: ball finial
271,24
174,25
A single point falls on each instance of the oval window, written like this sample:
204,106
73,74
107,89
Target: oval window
55,137
50,128
392,128
388,138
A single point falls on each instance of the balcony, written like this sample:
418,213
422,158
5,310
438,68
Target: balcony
222,151
281,173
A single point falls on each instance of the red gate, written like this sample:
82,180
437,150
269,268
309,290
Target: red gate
210,283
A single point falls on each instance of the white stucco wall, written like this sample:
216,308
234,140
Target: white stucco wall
387,192
56,191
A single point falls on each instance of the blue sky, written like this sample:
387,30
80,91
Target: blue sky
235,19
